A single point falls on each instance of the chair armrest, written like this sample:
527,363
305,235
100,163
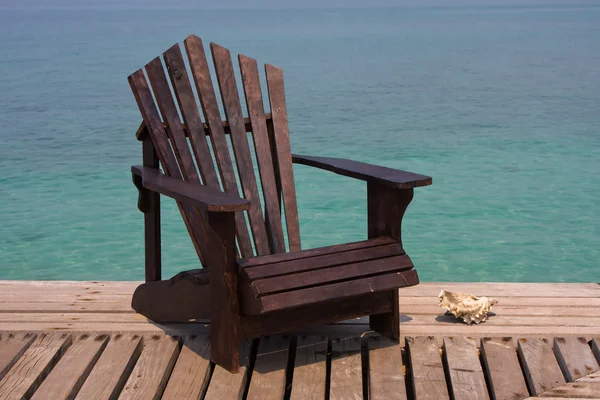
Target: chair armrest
201,196
366,172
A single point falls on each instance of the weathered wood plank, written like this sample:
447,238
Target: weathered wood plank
575,390
386,375
225,385
504,289
152,370
208,100
190,377
501,310
67,377
466,375
575,357
12,347
310,368
541,369
31,369
505,377
268,376
428,378
262,146
547,303
346,369
112,368
595,377
283,153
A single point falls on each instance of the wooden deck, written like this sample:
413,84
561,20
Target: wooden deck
82,340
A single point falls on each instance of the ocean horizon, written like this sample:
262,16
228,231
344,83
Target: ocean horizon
500,104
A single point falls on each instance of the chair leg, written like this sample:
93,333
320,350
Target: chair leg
388,324
225,347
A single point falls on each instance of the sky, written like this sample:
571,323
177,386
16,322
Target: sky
271,4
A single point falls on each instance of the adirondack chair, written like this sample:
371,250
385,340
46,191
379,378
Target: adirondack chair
252,282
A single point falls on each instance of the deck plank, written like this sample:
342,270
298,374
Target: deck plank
224,385
575,357
148,378
112,368
575,390
31,369
502,367
467,381
386,374
541,369
268,376
505,289
346,369
310,368
428,378
67,377
191,373
12,347
595,377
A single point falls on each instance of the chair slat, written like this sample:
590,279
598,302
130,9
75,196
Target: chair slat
191,115
239,139
319,251
208,101
256,113
329,260
168,110
144,100
143,97
284,154
337,273
312,295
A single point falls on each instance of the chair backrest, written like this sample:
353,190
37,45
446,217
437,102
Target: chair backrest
199,152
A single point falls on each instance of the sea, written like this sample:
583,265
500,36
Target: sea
499,104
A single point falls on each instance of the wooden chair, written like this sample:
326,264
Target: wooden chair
252,282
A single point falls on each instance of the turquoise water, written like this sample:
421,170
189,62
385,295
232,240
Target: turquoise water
501,105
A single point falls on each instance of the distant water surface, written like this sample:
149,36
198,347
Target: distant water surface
501,105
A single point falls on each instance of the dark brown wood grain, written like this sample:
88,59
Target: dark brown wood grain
201,196
210,108
168,110
319,251
191,115
303,264
366,172
335,274
152,241
224,325
315,314
239,141
142,132
318,294
143,96
385,208
283,151
256,113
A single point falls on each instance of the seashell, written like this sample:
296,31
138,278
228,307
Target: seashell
466,306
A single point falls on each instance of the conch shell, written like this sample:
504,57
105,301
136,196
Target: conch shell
466,306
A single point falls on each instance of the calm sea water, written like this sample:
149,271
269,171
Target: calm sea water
501,105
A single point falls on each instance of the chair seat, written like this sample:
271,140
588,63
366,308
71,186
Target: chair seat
289,280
